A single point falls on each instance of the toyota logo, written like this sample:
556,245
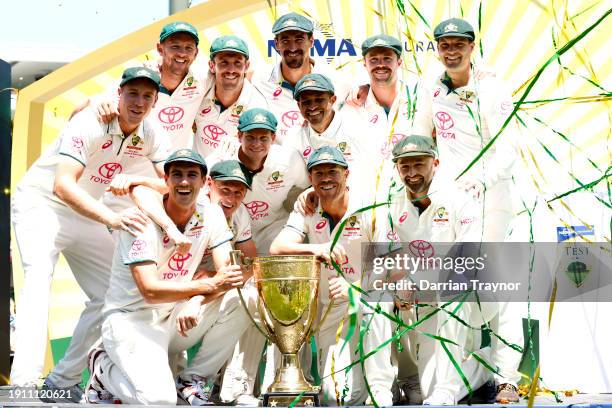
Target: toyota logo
77,143
421,248
321,224
177,261
291,118
171,114
108,170
403,217
256,207
392,235
307,151
444,121
214,132
139,245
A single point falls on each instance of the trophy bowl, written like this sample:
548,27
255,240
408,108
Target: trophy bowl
288,288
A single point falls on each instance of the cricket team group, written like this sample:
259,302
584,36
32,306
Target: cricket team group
151,185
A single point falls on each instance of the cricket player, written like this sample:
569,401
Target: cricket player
278,176
217,118
328,172
316,97
153,300
182,86
422,215
56,209
464,108
293,40
387,110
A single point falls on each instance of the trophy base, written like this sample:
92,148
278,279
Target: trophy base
284,399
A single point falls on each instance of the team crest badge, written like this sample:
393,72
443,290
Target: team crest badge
450,27
136,140
440,217
342,146
237,110
189,81
577,272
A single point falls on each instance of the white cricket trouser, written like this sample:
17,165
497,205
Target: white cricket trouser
44,229
220,325
136,369
332,359
379,368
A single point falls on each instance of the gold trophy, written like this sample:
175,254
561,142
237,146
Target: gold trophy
287,289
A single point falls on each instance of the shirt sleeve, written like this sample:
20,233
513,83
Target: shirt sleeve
160,145
219,230
468,219
498,100
140,248
423,118
243,226
78,138
299,170
297,222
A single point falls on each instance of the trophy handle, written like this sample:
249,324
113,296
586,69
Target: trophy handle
316,329
237,258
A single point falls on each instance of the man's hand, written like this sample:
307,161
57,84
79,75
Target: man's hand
187,318
404,299
357,97
181,242
130,220
122,184
338,288
106,110
321,251
229,277
307,202
473,186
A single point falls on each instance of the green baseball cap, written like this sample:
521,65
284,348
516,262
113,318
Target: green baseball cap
231,170
415,145
292,21
178,27
454,27
381,41
140,72
326,155
257,118
186,155
229,43
313,82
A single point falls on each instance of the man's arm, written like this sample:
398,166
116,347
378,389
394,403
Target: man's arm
66,188
423,116
291,242
155,290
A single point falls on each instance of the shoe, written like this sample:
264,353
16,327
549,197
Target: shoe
53,393
95,393
411,390
247,400
506,393
196,391
440,397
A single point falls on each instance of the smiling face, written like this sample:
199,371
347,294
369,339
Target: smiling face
255,143
136,98
455,53
316,107
382,64
228,194
417,172
178,53
328,180
184,181
229,69
294,47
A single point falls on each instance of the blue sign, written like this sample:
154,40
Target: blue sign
565,233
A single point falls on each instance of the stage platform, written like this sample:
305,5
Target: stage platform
582,400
